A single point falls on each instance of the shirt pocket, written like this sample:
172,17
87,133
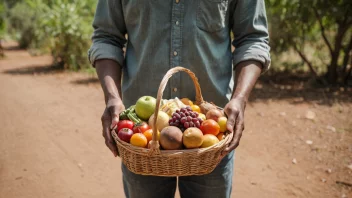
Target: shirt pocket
211,15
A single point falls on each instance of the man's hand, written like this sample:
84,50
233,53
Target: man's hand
234,111
247,73
109,120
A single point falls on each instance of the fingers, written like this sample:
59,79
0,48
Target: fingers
237,135
232,115
106,122
236,139
114,112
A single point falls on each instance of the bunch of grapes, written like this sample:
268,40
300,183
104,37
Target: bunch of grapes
185,118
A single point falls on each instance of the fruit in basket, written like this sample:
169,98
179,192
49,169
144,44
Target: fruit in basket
125,134
192,138
220,136
210,127
202,116
185,118
214,114
187,101
140,127
206,106
161,122
124,124
196,108
209,140
145,107
171,138
222,121
138,139
149,134
170,106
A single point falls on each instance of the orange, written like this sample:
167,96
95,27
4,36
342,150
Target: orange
187,101
210,127
138,139
192,138
195,108
149,134
220,136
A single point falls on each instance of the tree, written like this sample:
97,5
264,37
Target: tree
296,23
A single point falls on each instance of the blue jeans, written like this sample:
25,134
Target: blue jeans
217,184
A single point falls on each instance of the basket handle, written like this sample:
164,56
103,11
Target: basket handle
154,143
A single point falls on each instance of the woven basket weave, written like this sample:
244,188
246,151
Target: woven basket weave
153,161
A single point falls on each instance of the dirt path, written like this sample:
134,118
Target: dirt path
51,143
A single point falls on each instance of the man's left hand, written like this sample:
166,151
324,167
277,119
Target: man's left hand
235,121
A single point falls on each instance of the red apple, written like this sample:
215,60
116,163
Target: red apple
125,124
141,127
125,134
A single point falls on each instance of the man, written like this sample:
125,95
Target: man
191,33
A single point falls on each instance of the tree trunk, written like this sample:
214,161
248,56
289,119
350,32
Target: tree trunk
349,72
332,68
2,54
347,56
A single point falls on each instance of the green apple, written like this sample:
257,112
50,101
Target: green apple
145,107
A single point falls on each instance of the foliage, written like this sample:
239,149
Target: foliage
22,24
62,27
324,25
2,19
2,26
67,26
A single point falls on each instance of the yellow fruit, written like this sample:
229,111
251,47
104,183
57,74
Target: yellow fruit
202,116
187,101
162,122
192,138
222,123
138,139
195,108
209,140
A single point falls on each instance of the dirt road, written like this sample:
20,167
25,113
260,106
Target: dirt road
51,143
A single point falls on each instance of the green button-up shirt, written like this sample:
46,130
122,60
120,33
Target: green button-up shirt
194,34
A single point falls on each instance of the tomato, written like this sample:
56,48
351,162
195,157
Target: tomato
125,124
141,127
210,127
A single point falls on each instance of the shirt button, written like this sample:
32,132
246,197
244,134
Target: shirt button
175,53
177,22
175,89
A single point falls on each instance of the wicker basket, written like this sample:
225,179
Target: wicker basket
184,162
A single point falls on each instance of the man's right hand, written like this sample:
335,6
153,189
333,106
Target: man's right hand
109,120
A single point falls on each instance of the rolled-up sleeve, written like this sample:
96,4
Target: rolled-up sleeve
108,38
250,29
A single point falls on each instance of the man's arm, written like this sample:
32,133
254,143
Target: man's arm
246,75
251,58
109,74
106,55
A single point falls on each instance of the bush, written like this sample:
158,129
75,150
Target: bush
67,26
62,27
22,24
